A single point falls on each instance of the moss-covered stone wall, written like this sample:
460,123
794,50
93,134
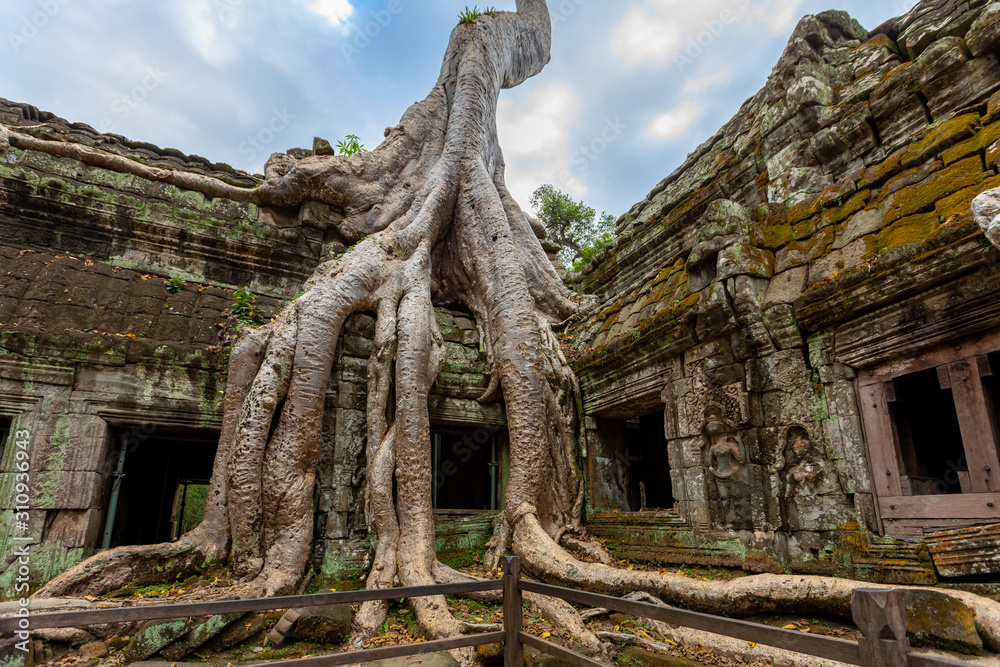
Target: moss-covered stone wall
737,296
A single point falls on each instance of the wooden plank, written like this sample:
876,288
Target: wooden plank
978,432
557,651
883,451
371,655
938,356
163,612
966,551
513,612
880,616
920,660
814,645
984,506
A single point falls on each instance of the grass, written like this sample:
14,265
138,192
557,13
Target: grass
469,15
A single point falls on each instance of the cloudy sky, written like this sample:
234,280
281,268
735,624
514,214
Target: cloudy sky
633,86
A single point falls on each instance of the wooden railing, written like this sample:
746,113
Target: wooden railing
877,612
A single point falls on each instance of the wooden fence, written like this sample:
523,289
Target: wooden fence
878,613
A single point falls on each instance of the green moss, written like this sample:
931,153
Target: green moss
938,137
922,196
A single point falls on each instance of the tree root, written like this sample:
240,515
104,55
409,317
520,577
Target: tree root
747,596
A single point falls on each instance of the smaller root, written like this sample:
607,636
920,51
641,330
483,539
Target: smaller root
564,616
624,639
479,628
591,550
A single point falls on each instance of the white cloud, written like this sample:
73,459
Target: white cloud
201,27
534,136
659,30
674,123
695,86
336,12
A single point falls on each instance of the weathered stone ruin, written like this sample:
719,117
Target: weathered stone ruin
794,365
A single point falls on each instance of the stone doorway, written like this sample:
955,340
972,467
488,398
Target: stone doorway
467,469
159,473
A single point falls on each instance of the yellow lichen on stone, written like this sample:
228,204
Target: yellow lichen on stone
912,229
838,214
939,136
922,196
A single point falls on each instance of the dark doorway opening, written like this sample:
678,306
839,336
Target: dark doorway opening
649,483
162,484
930,438
467,474
5,425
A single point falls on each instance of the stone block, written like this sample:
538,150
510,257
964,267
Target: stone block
77,442
786,287
324,625
352,395
782,326
696,484
688,452
350,436
153,637
76,528
983,37
706,356
353,369
57,490
789,408
785,370
743,259
715,313
678,488
357,346
966,86
936,620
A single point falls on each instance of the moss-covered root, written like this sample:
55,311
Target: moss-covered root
747,596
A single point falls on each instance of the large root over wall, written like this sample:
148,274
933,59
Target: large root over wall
433,223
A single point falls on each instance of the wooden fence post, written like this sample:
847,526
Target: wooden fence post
880,616
513,614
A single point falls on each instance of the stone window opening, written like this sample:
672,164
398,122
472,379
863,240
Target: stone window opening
929,434
468,469
154,472
933,439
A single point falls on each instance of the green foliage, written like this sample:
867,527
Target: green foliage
244,309
470,15
195,502
573,225
351,146
174,285
589,251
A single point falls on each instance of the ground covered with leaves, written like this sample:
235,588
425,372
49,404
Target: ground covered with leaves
401,627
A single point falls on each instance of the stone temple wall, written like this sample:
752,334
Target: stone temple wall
816,247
